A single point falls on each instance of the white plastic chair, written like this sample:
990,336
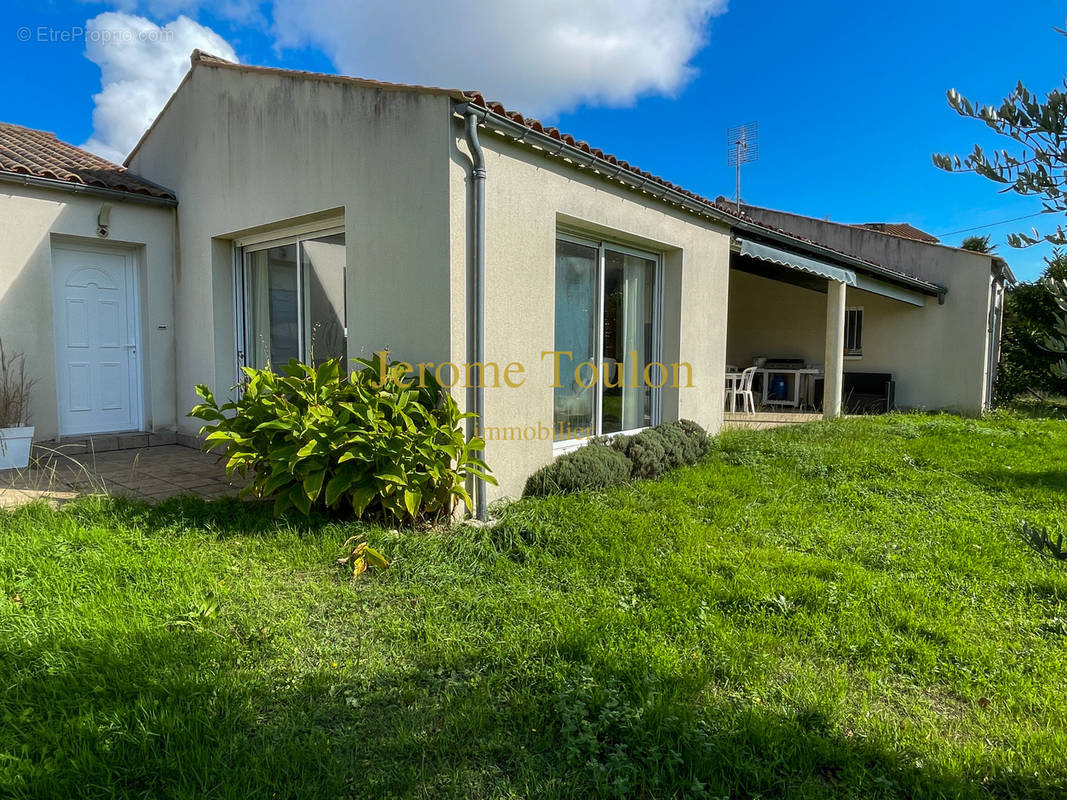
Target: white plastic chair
743,389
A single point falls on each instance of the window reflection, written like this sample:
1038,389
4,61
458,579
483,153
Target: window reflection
273,320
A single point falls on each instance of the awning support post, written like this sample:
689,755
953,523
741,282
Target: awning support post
835,349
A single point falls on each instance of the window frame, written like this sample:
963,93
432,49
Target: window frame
601,246
266,241
854,312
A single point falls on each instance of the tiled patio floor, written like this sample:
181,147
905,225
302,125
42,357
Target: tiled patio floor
150,473
762,420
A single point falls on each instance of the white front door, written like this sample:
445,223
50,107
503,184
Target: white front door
96,319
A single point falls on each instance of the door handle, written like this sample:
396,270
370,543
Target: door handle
132,348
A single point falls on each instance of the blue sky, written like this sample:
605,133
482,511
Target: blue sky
850,97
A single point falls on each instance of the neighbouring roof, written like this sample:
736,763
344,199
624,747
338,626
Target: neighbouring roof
39,154
999,264
883,270
902,229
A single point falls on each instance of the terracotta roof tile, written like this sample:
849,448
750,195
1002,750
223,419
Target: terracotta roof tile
478,99
39,154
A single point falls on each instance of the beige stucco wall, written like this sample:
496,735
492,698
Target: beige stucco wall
776,319
896,338
248,151
529,197
943,349
34,220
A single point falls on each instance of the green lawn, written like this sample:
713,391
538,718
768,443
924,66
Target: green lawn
835,610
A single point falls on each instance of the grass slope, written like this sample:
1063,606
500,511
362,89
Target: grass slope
835,610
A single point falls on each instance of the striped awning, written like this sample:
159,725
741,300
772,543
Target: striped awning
785,258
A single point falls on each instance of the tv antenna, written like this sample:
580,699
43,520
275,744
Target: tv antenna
742,147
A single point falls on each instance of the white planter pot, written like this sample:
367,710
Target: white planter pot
15,447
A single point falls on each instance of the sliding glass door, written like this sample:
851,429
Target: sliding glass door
577,287
292,303
607,317
629,292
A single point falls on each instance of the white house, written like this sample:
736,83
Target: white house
313,215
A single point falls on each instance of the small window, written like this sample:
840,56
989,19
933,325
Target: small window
854,332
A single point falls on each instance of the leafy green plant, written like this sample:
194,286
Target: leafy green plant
1031,315
360,556
695,443
1038,127
196,618
1056,342
978,244
1038,538
372,440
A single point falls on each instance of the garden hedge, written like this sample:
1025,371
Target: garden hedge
611,461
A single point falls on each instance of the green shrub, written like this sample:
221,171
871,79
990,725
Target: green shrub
1030,313
609,461
646,450
695,442
594,466
666,446
674,450
318,438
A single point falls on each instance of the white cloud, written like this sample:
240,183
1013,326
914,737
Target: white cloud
538,57
141,65
166,9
